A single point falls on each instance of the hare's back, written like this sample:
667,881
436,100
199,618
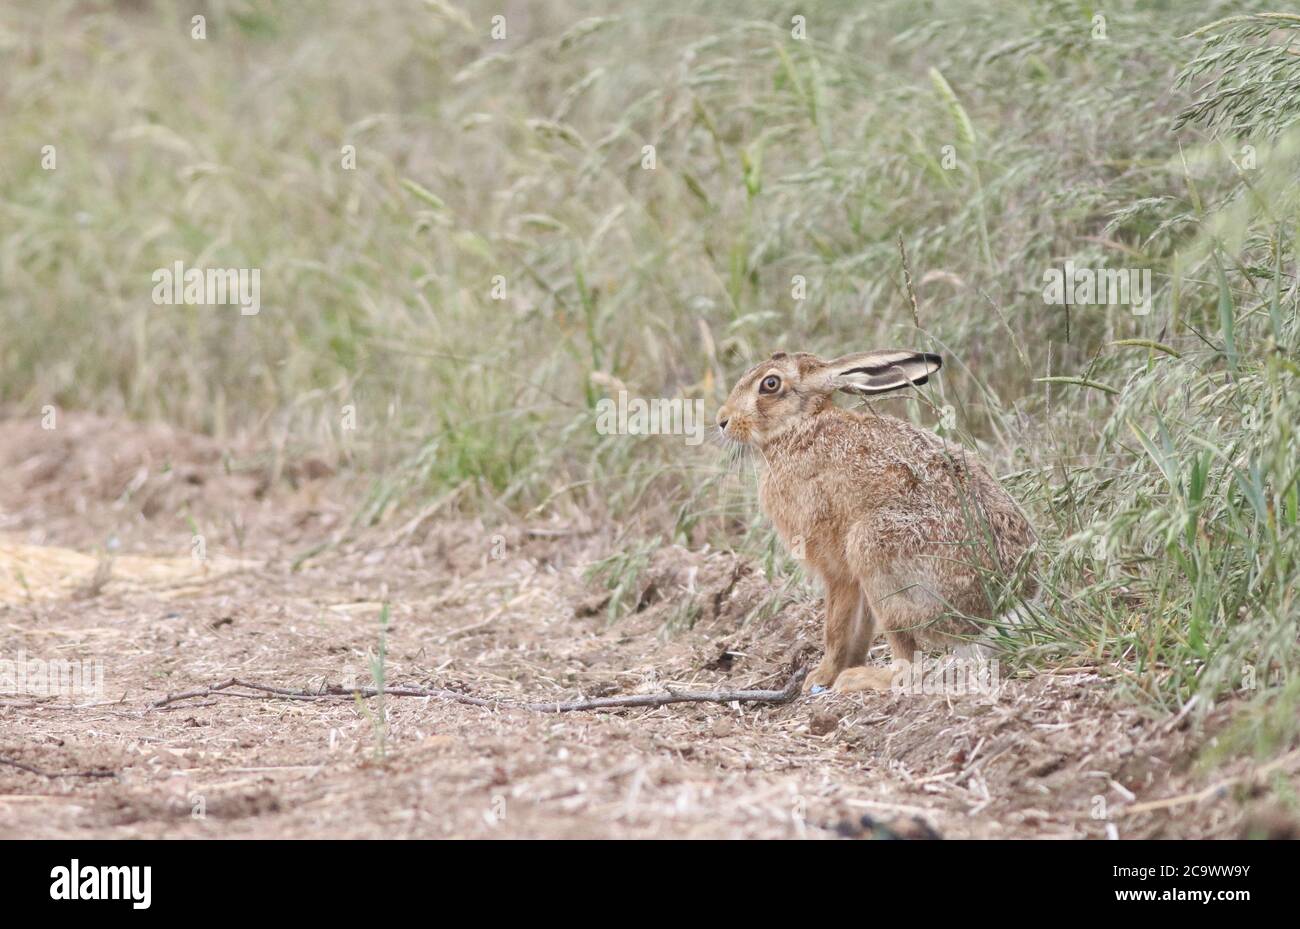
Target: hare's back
930,488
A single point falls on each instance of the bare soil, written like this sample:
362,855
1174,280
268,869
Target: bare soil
97,526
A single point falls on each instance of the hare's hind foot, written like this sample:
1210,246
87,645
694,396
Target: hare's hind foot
853,680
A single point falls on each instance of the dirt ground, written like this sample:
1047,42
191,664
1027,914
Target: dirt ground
97,526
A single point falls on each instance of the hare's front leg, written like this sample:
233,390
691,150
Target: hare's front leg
848,631
896,619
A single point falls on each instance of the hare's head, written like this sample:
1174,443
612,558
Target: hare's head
783,390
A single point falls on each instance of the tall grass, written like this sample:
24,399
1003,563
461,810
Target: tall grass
992,140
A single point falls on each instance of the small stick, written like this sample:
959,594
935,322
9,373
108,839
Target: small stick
784,695
334,691
211,688
1214,790
54,774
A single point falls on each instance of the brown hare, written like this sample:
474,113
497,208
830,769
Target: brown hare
904,528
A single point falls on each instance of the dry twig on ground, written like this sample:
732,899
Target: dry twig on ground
53,774
334,691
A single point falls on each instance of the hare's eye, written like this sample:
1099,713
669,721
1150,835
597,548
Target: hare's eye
770,385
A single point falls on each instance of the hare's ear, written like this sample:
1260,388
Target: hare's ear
868,373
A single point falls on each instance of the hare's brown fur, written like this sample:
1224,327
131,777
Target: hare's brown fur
905,529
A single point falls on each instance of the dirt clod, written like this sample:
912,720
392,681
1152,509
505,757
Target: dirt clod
823,722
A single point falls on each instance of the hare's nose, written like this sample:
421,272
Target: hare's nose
723,418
